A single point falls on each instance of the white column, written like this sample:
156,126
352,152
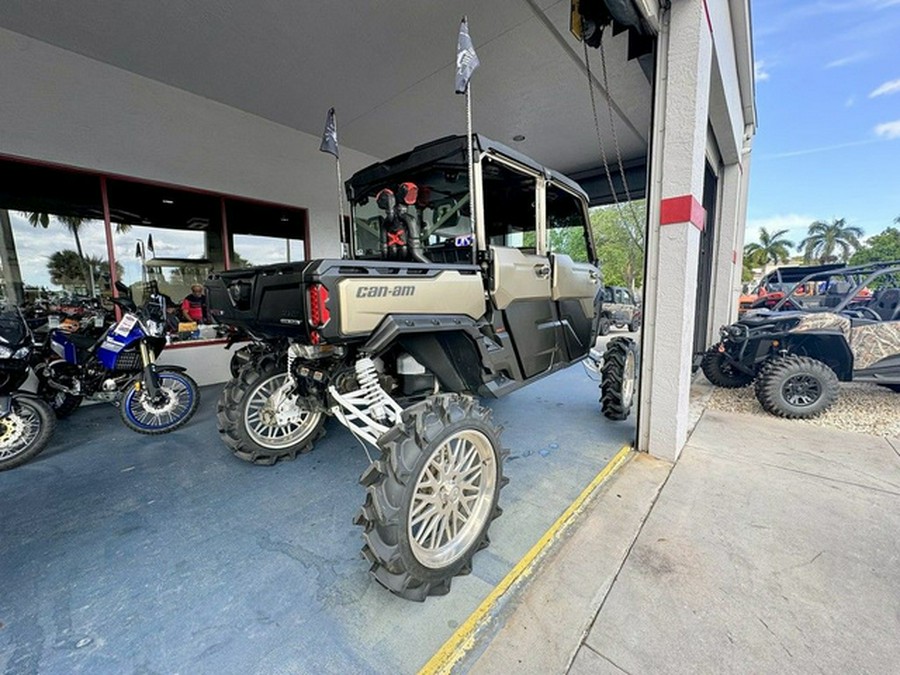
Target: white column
676,193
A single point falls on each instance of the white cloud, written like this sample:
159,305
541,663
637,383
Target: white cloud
889,130
891,87
790,221
759,69
847,60
823,148
850,102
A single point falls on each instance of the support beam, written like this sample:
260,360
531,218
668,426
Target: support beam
679,136
9,259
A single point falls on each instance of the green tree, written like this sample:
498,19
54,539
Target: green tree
238,261
771,248
619,239
73,224
67,269
99,267
824,240
747,270
879,248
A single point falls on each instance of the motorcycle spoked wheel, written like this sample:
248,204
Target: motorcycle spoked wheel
177,402
25,432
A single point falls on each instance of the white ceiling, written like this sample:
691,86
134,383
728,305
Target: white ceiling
386,65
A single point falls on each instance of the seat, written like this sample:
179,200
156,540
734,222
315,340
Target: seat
835,293
886,303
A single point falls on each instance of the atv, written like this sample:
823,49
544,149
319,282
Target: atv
432,310
837,325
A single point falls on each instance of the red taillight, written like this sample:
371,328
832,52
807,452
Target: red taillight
319,314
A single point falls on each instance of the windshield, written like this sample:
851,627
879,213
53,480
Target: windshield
439,206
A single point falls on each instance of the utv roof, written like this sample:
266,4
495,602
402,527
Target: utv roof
823,271
450,149
795,273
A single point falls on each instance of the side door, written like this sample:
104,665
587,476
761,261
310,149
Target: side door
575,279
520,267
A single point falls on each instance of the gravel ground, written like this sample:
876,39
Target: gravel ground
864,408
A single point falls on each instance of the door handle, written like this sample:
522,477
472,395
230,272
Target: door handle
542,270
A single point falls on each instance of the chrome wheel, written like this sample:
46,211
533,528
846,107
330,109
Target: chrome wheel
628,379
453,499
272,417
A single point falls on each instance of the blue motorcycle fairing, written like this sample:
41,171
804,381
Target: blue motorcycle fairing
63,346
114,342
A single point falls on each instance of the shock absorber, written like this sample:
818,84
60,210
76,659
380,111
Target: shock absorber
369,411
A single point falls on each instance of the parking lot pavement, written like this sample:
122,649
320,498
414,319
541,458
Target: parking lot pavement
768,547
121,552
772,548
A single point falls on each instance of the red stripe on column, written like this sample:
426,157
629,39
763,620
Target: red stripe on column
684,209
708,20
734,257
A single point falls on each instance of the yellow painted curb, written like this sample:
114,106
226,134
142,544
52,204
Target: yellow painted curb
463,638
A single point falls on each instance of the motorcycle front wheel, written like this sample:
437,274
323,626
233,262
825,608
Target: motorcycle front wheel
25,431
175,404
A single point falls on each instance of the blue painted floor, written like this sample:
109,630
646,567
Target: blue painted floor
128,553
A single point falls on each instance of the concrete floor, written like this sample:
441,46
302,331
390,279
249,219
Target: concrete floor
128,553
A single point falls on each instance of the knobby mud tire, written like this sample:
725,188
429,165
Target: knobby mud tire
721,373
616,397
231,423
394,546
776,374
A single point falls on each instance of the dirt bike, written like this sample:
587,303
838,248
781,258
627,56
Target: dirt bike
26,422
120,367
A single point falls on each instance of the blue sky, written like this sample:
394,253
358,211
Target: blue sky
828,106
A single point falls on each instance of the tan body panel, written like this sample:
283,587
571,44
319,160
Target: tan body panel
573,280
516,276
364,302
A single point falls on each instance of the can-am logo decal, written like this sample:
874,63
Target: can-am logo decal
385,291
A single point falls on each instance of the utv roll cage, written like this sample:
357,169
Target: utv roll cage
843,285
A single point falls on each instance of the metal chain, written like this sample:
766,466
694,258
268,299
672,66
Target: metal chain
615,136
590,77
612,189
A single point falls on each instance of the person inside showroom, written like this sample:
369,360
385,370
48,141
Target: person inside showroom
193,307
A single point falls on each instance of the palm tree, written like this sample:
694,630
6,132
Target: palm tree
772,248
73,224
100,266
825,238
67,270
